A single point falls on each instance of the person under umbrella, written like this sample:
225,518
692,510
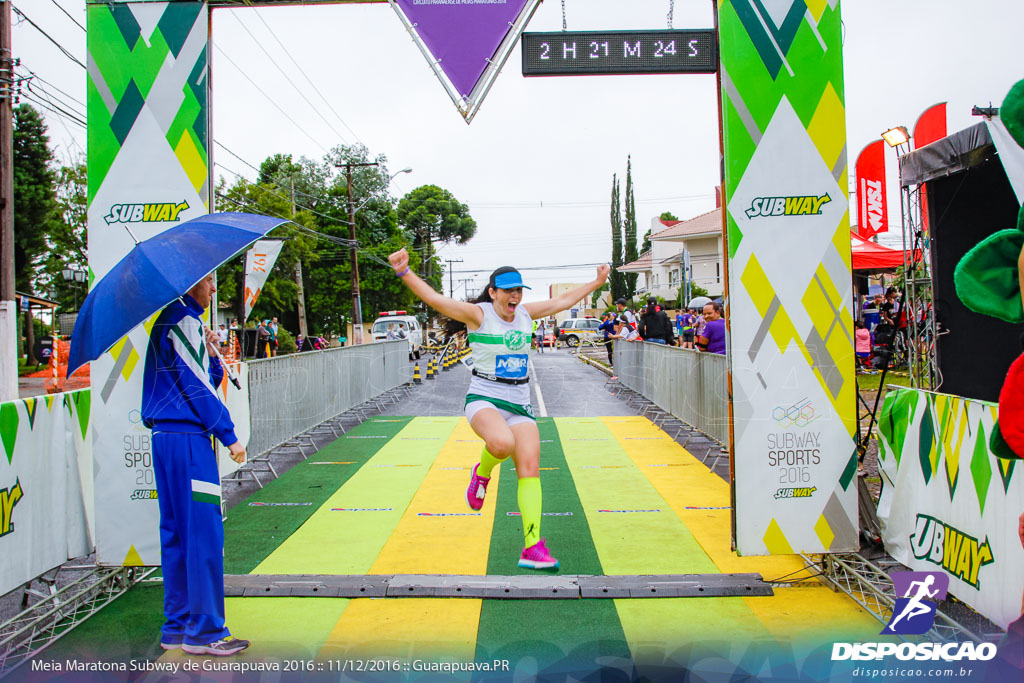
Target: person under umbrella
171,273
181,406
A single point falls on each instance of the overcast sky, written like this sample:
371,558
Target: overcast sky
536,164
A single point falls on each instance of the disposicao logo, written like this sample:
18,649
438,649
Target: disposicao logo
787,206
145,213
917,594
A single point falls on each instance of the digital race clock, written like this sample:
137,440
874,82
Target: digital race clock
561,53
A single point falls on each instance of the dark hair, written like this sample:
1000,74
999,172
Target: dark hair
715,305
858,324
453,327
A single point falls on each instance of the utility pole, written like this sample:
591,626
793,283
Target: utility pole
298,274
451,281
357,303
8,308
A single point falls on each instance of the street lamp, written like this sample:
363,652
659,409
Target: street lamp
74,275
357,303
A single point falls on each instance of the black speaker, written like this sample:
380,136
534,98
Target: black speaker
965,208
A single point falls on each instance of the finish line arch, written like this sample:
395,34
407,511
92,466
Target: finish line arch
786,229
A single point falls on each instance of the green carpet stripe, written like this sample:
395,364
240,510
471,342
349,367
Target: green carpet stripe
607,479
252,533
644,542
348,542
557,633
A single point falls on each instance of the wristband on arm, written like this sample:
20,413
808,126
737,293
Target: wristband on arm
404,272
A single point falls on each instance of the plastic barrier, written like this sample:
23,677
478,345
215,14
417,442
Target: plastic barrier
688,384
293,393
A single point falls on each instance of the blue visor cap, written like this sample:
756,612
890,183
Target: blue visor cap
509,281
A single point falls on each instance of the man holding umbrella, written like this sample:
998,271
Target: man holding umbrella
171,272
181,406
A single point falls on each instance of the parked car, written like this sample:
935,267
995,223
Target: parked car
573,330
413,329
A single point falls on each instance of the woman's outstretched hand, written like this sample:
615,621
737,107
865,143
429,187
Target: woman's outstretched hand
399,260
602,273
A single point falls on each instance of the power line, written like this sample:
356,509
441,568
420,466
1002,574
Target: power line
54,110
269,98
48,36
308,80
62,92
286,76
67,15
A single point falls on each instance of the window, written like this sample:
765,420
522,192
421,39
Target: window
654,281
718,272
673,278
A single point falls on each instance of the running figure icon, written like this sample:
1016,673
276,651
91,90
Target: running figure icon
914,607
917,596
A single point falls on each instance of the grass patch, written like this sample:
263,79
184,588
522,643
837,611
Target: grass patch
870,382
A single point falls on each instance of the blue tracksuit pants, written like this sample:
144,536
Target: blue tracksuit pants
191,537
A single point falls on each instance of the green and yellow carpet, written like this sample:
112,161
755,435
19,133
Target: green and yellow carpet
620,497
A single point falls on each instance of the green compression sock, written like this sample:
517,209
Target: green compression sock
487,464
530,507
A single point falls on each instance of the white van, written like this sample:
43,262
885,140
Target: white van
413,329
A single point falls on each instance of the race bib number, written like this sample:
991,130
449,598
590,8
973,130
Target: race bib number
511,366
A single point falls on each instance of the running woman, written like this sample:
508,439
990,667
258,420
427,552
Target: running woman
498,404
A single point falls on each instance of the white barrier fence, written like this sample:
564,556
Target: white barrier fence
688,384
47,497
290,394
46,482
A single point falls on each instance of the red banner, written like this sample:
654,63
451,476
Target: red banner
872,208
930,126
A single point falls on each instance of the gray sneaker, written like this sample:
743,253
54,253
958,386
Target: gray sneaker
221,648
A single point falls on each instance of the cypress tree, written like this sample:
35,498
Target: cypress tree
630,228
616,280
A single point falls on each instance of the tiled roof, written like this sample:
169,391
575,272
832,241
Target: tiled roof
698,225
642,263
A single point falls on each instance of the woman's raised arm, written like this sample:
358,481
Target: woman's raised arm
462,311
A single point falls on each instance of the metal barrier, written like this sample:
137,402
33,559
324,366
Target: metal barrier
688,384
291,394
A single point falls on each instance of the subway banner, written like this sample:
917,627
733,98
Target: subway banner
45,485
148,171
788,235
948,504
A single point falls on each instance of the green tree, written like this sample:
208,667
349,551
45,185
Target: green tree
66,243
616,280
630,229
665,216
668,216
35,203
432,214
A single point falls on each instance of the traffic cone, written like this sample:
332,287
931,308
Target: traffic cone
416,379
430,369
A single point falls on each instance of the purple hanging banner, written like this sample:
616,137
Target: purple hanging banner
468,39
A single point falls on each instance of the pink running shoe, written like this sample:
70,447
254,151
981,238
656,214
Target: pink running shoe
477,490
537,557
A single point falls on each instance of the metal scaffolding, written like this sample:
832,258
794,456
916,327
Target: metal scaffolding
46,621
870,587
918,299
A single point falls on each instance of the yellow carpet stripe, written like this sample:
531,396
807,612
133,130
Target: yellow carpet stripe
349,542
795,611
427,545
645,543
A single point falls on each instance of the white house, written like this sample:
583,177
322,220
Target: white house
660,269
